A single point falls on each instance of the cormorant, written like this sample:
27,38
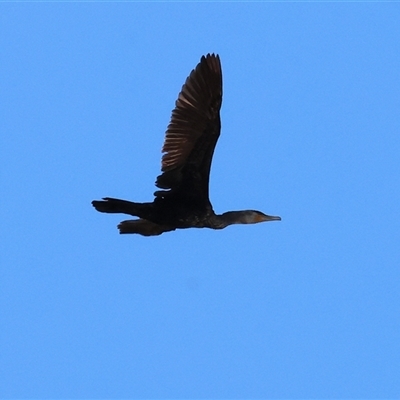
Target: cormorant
188,148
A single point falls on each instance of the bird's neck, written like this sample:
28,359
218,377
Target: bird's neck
231,217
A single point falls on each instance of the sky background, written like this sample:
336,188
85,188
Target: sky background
308,307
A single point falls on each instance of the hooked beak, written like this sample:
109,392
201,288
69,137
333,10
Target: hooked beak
272,218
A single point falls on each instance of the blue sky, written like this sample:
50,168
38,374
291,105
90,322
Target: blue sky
308,307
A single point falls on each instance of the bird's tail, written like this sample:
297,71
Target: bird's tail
110,205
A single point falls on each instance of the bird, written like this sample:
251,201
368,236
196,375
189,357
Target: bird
190,139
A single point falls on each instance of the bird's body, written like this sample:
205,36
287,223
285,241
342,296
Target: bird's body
188,149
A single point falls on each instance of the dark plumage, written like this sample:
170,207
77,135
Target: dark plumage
188,150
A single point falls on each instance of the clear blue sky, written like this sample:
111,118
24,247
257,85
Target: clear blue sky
308,307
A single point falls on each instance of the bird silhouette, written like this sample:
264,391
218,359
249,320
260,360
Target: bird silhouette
188,149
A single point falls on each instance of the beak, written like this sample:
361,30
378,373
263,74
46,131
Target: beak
272,218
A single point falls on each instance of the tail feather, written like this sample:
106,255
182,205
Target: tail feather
110,205
141,226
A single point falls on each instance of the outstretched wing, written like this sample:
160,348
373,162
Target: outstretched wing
193,132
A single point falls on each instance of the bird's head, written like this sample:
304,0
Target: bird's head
247,217
253,217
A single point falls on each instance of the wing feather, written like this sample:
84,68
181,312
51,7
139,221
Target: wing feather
194,128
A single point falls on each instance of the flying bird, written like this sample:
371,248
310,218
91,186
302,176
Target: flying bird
188,149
